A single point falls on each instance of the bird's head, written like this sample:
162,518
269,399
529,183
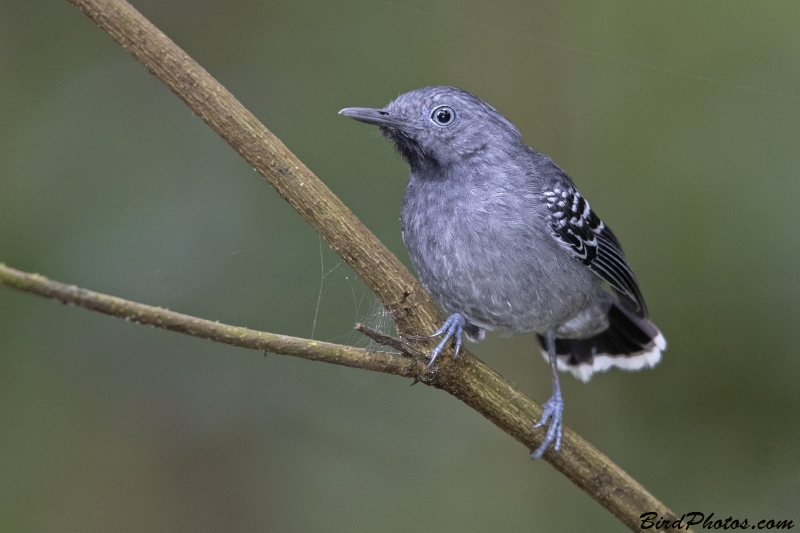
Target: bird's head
440,126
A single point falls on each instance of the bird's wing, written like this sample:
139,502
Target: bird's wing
578,230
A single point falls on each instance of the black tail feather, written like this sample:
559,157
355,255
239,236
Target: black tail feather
630,342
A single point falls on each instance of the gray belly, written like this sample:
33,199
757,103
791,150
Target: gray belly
495,267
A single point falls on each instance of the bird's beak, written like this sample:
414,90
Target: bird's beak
378,117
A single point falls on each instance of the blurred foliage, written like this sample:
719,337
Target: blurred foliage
679,120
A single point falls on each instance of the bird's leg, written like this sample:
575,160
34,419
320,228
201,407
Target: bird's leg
452,327
553,409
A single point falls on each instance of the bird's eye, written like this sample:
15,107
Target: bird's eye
443,115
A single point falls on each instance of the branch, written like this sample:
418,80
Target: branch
467,378
388,363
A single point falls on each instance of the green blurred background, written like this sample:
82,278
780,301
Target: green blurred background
679,120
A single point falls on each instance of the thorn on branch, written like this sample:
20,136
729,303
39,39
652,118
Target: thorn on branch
386,340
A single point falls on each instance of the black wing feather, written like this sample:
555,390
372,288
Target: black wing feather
580,231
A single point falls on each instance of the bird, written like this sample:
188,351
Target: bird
501,238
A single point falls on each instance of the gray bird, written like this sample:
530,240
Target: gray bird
502,239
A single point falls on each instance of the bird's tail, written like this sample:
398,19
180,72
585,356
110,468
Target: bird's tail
630,343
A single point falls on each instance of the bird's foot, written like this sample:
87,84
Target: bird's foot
452,327
553,410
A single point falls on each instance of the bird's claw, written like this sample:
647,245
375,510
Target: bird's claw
452,327
553,410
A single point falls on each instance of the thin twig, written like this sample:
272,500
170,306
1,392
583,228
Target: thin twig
338,354
386,340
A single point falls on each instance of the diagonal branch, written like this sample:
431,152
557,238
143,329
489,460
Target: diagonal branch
412,309
392,283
